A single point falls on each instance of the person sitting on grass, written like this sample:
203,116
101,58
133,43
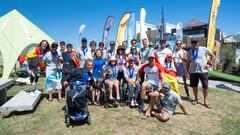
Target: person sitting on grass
166,100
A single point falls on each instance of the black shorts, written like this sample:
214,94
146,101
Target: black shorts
194,78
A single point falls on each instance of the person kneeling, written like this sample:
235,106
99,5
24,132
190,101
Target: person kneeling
166,100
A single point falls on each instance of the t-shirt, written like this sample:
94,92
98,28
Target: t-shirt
51,59
177,55
90,55
83,54
162,53
170,101
111,53
112,72
128,50
144,54
197,64
97,69
152,75
170,66
104,55
131,73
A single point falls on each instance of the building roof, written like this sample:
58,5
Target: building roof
232,38
193,23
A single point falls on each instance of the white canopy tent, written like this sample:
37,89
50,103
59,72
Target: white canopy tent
232,38
17,35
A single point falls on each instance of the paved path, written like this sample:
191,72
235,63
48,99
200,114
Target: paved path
219,85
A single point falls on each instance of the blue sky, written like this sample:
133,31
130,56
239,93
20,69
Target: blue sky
61,18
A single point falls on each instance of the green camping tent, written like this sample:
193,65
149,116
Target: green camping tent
17,34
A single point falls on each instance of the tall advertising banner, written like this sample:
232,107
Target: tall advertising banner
80,31
131,29
142,24
212,25
122,28
179,31
106,29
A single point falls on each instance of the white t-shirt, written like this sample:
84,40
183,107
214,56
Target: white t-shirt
162,54
84,55
177,55
152,75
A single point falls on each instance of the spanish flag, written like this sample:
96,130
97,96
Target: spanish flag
169,76
36,52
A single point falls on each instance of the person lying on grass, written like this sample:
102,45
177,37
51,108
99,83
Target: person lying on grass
166,100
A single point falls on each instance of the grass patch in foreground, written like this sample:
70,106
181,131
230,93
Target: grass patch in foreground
225,76
47,119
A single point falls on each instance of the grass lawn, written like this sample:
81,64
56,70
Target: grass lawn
48,119
224,76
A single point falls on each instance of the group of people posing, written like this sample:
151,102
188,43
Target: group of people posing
125,70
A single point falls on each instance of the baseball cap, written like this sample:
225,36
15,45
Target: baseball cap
84,39
194,40
151,55
112,43
166,86
113,58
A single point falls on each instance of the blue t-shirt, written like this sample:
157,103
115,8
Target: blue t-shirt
97,69
87,75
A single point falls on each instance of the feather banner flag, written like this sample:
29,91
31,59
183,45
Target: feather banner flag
212,25
179,31
131,29
122,28
106,29
142,24
80,31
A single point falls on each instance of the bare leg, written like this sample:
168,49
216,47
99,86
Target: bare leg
195,92
110,87
93,95
153,100
142,95
116,84
185,86
98,94
205,95
49,97
59,94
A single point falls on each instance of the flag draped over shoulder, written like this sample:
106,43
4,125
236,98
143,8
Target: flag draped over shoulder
36,52
169,75
75,57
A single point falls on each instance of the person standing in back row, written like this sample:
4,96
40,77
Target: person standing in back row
180,59
198,69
